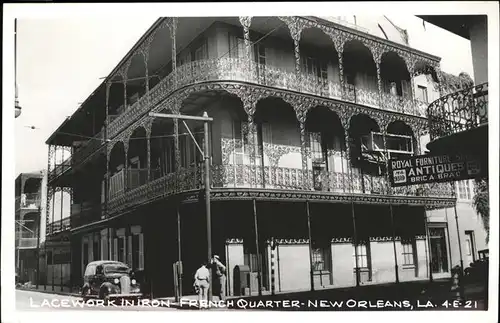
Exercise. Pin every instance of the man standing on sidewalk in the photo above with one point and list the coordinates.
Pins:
(201, 282)
(220, 273)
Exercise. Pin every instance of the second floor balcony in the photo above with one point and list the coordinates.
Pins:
(31, 201)
(457, 112)
(26, 239)
(271, 178)
(61, 225)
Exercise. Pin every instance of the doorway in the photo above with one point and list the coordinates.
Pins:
(439, 255)
(470, 248)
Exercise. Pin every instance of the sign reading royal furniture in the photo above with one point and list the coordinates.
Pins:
(433, 168)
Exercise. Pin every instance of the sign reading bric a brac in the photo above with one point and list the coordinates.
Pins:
(433, 168)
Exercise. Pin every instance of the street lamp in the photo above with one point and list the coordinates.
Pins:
(16, 101)
(206, 157)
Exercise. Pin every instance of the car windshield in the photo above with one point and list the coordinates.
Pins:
(116, 268)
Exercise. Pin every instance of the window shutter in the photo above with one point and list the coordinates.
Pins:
(129, 250)
(103, 191)
(405, 86)
(141, 251)
(115, 249)
(91, 249)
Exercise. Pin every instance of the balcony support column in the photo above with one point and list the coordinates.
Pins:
(60, 221)
(246, 22)
(303, 153)
(177, 152)
(341, 72)
(379, 83)
(125, 165)
(172, 26)
(252, 142)
(106, 176)
(145, 54)
(148, 146)
(345, 120)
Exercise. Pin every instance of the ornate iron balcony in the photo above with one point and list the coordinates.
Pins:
(78, 156)
(238, 69)
(270, 177)
(58, 226)
(459, 111)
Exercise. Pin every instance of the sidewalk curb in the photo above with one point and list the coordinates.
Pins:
(49, 292)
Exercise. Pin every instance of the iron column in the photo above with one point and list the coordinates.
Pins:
(207, 198)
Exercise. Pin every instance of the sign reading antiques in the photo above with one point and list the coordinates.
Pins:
(433, 168)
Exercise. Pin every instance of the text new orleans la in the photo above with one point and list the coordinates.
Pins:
(430, 168)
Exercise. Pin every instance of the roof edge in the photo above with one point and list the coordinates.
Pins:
(110, 75)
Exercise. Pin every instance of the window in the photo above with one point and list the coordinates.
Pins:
(95, 250)
(362, 251)
(464, 190)
(121, 249)
(422, 93)
(85, 254)
(236, 47)
(309, 65)
(408, 252)
(201, 52)
(469, 246)
(241, 142)
(135, 251)
(260, 54)
(406, 89)
(184, 59)
(49, 257)
(321, 259)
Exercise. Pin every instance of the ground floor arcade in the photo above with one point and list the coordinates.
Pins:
(285, 245)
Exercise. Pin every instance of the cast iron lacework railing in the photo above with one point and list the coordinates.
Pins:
(82, 153)
(238, 69)
(29, 201)
(459, 111)
(59, 226)
(270, 177)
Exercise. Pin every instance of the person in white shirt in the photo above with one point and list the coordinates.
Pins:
(201, 282)
(220, 273)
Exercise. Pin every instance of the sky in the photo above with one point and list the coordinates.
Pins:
(61, 60)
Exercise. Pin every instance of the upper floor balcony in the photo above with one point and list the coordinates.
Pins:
(460, 111)
(29, 201)
(458, 124)
(26, 239)
(58, 226)
(270, 178)
(84, 213)
(354, 67)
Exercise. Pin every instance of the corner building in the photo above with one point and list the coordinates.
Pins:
(306, 114)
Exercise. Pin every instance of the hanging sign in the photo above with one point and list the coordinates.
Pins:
(433, 169)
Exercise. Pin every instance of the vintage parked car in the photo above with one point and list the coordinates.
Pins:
(106, 279)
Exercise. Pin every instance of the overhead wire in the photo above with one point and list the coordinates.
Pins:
(218, 59)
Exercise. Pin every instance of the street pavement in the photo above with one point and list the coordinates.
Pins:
(27, 300)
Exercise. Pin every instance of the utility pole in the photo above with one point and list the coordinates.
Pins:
(206, 156)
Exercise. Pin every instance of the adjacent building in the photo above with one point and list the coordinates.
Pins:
(306, 114)
(29, 188)
(458, 123)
